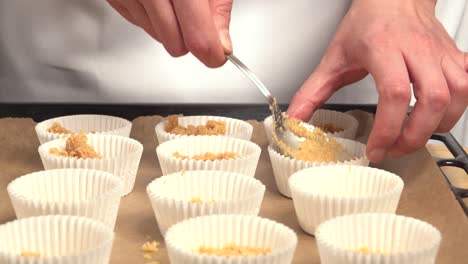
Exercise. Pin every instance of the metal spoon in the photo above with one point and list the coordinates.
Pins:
(282, 133)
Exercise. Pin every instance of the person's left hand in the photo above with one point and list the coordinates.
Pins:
(397, 42)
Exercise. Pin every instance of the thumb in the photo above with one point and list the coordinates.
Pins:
(221, 12)
(328, 77)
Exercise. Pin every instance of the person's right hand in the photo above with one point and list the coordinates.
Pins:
(200, 27)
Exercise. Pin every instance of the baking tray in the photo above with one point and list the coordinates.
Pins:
(426, 195)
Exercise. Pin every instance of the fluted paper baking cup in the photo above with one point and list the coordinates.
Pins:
(98, 124)
(325, 192)
(321, 117)
(377, 238)
(81, 192)
(234, 127)
(246, 161)
(268, 127)
(121, 157)
(284, 167)
(55, 239)
(347, 123)
(183, 195)
(216, 231)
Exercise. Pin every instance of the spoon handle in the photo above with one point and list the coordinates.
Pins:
(278, 117)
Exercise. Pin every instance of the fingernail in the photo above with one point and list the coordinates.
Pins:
(377, 155)
(225, 41)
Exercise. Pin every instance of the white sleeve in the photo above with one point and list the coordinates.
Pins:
(453, 14)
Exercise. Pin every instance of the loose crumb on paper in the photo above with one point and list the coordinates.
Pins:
(150, 247)
(150, 250)
(212, 127)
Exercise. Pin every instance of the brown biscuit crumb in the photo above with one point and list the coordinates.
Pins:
(77, 147)
(200, 201)
(58, 129)
(212, 127)
(150, 247)
(330, 128)
(317, 147)
(30, 254)
(208, 156)
(232, 250)
(367, 251)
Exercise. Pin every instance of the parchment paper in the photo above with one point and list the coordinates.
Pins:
(425, 196)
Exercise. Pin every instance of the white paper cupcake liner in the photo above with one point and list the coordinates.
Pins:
(221, 193)
(348, 123)
(217, 231)
(268, 127)
(320, 117)
(121, 157)
(284, 167)
(246, 162)
(325, 192)
(82, 192)
(392, 239)
(58, 239)
(234, 127)
(98, 124)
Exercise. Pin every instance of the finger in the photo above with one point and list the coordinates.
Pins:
(433, 97)
(140, 16)
(221, 11)
(393, 85)
(164, 21)
(457, 81)
(199, 31)
(466, 61)
(331, 74)
(122, 11)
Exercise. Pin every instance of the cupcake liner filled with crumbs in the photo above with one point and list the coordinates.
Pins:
(174, 127)
(115, 154)
(59, 127)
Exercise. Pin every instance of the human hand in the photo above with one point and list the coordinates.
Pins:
(397, 42)
(200, 27)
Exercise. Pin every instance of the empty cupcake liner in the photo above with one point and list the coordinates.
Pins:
(216, 231)
(121, 157)
(388, 238)
(325, 192)
(81, 192)
(221, 193)
(284, 167)
(234, 127)
(246, 162)
(58, 239)
(98, 124)
(348, 123)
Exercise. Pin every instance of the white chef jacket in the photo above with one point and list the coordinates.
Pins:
(83, 51)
